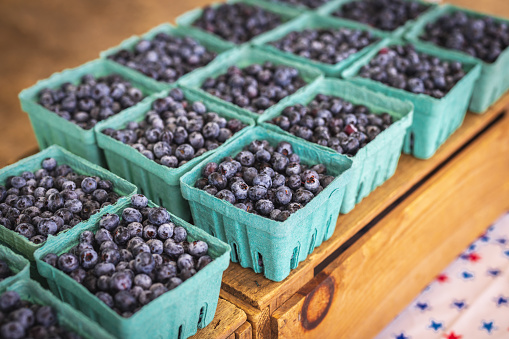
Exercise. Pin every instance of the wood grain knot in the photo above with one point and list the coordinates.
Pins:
(317, 304)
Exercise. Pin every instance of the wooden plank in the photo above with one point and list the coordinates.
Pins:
(367, 285)
(227, 320)
(259, 292)
(244, 331)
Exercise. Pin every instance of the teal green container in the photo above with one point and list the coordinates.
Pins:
(377, 161)
(52, 129)
(18, 265)
(131, 42)
(178, 313)
(313, 21)
(256, 239)
(334, 5)
(243, 57)
(434, 119)
(159, 183)
(67, 317)
(21, 244)
(296, 9)
(187, 19)
(493, 81)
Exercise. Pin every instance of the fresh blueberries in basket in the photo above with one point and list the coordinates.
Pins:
(333, 122)
(405, 68)
(273, 189)
(23, 319)
(5, 271)
(93, 100)
(237, 22)
(329, 46)
(127, 265)
(386, 15)
(164, 58)
(255, 87)
(307, 3)
(481, 37)
(51, 200)
(176, 131)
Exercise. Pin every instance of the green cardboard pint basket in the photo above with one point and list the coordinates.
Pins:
(493, 81)
(255, 239)
(171, 30)
(67, 317)
(377, 161)
(178, 313)
(52, 129)
(187, 20)
(243, 57)
(159, 183)
(21, 244)
(434, 119)
(294, 9)
(334, 5)
(19, 266)
(313, 21)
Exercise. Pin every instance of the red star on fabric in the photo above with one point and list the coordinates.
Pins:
(442, 278)
(474, 257)
(453, 336)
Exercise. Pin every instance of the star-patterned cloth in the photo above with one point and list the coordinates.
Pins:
(469, 300)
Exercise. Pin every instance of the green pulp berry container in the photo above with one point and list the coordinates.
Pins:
(19, 266)
(171, 30)
(377, 161)
(187, 20)
(334, 5)
(295, 9)
(178, 313)
(313, 21)
(159, 183)
(51, 129)
(21, 244)
(493, 81)
(434, 119)
(243, 57)
(256, 239)
(67, 317)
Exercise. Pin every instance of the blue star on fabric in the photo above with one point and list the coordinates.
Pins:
(484, 238)
(488, 326)
(422, 306)
(464, 256)
(467, 275)
(502, 301)
(506, 253)
(471, 247)
(494, 272)
(459, 304)
(435, 325)
(502, 241)
(402, 336)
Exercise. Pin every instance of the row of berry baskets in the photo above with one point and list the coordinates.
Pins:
(261, 170)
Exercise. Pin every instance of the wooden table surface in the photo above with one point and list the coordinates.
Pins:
(39, 38)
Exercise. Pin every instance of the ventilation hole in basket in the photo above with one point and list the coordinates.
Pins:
(412, 142)
(201, 320)
(159, 201)
(325, 236)
(235, 253)
(261, 268)
(295, 258)
(312, 244)
(359, 193)
(181, 332)
(212, 233)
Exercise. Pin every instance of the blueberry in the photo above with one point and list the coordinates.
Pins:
(110, 255)
(226, 195)
(203, 261)
(165, 231)
(9, 300)
(217, 180)
(12, 330)
(173, 248)
(239, 190)
(49, 164)
(45, 316)
(109, 221)
(88, 185)
(185, 261)
(158, 216)
(51, 259)
(143, 280)
(88, 258)
(105, 298)
(131, 215)
(144, 263)
(120, 281)
(174, 283)
(167, 271)
(104, 269)
(198, 248)
(179, 234)
(26, 230)
(124, 301)
(263, 180)
(264, 206)
(257, 192)
(68, 262)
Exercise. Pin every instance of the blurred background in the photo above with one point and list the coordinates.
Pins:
(38, 38)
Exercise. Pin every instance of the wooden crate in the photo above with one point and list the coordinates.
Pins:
(392, 244)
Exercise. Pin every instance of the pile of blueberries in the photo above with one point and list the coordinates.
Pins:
(176, 131)
(483, 38)
(255, 87)
(23, 319)
(386, 15)
(51, 200)
(237, 22)
(404, 68)
(329, 46)
(165, 58)
(265, 180)
(307, 3)
(133, 258)
(5, 270)
(93, 100)
(333, 122)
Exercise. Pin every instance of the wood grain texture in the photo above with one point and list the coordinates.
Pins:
(382, 272)
(227, 320)
(244, 331)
